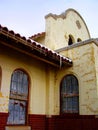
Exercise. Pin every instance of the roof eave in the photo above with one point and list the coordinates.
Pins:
(18, 43)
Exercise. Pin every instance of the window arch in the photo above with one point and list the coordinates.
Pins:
(71, 40)
(79, 40)
(18, 98)
(69, 94)
(0, 77)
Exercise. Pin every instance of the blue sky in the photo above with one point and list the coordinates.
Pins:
(27, 16)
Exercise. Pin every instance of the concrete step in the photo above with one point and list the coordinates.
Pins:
(17, 128)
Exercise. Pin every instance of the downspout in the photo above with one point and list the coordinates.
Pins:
(60, 61)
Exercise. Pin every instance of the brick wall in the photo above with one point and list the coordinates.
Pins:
(64, 122)
(3, 120)
(37, 122)
(73, 122)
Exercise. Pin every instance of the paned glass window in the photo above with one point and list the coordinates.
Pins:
(69, 94)
(18, 98)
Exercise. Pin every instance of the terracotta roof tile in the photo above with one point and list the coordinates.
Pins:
(54, 56)
(38, 35)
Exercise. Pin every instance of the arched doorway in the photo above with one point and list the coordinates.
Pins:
(18, 101)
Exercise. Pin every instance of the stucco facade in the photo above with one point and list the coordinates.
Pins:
(59, 27)
(19, 61)
(84, 68)
(65, 48)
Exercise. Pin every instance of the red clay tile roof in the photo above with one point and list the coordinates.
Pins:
(32, 47)
(38, 35)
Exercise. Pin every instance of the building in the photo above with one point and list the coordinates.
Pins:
(50, 80)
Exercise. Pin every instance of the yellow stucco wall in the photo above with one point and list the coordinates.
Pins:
(44, 86)
(59, 27)
(9, 61)
(41, 40)
(44, 96)
(83, 58)
(96, 62)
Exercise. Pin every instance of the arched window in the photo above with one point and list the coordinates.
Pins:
(70, 40)
(0, 77)
(69, 94)
(79, 40)
(18, 98)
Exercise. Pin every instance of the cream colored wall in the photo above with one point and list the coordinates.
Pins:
(50, 87)
(96, 63)
(44, 96)
(41, 40)
(59, 28)
(84, 69)
(9, 61)
(85, 64)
